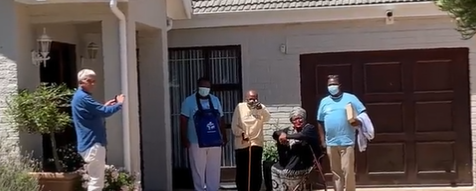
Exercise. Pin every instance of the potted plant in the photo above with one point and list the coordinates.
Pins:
(270, 157)
(41, 111)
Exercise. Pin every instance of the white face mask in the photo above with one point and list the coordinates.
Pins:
(333, 89)
(203, 91)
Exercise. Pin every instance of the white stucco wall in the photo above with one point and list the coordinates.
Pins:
(152, 13)
(144, 16)
(79, 24)
(276, 75)
(79, 34)
(15, 62)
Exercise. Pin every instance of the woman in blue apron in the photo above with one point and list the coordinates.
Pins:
(201, 132)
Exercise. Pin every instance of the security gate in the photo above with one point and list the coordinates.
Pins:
(223, 66)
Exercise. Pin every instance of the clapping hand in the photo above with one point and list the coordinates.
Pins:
(120, 98)
(282, 138)
(110, 102)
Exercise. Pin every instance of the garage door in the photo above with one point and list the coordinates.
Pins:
(419, 103)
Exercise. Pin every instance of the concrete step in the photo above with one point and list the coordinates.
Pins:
(228, 186)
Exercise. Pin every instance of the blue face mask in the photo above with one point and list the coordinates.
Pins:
(333, 89)
(203, 91)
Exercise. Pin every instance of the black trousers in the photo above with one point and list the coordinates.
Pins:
(241, 158)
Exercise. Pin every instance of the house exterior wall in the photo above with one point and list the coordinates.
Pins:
(31, 20)
(80, 24)
(107, 71)
(151, 13)
(271, 72)
(153, 50)
(16, 43)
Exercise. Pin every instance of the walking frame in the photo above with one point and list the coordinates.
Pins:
(316, 166)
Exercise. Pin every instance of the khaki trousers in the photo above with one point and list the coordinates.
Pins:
(342, 167)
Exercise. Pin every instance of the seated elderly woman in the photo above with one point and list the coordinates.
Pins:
(296, 146)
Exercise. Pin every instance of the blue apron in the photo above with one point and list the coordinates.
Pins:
(207, 125)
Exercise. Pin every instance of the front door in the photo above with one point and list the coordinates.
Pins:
(61, 68)
(419, 103)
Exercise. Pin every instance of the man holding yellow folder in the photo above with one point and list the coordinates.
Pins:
(337, 115)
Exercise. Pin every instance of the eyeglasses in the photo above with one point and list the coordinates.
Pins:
(296, 118)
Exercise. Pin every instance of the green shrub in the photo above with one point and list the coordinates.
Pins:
(14, 171)
(270, 152)
(41, 111)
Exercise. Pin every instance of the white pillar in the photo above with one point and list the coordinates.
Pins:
(112, 87)
(155, 115)
(132, 97)
(167, 126)
(155, 110)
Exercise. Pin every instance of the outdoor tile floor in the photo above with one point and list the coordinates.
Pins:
(399, 189)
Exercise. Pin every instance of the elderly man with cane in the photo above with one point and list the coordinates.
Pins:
(247, 126)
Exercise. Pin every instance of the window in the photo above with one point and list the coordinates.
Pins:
(223, 66)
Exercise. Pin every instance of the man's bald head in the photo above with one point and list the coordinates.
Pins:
(252, 98)
(251, 94)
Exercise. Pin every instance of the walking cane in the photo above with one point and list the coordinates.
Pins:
(249, 167)
(249, 158)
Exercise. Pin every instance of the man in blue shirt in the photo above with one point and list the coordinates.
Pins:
(205, 162)
(88, 119)
(339, 132)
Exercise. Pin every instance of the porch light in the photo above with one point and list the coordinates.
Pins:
(92, 50)
(40, 56)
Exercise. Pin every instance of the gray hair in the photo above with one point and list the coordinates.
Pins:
(297, 112)
(84, 74)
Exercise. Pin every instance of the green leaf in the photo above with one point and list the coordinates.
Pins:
(464, 14)
(41, 111)
(270, 152)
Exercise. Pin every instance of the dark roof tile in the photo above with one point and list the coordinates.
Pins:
(220, 6)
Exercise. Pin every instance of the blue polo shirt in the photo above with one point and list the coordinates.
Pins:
(332, 114)
(189, 107)
(88, 119)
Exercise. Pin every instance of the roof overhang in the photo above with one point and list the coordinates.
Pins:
(36, 2)
(176, 9)
(340, 13)
(179, 9)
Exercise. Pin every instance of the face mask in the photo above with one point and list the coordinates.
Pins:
(203, 91)
(333, 89)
